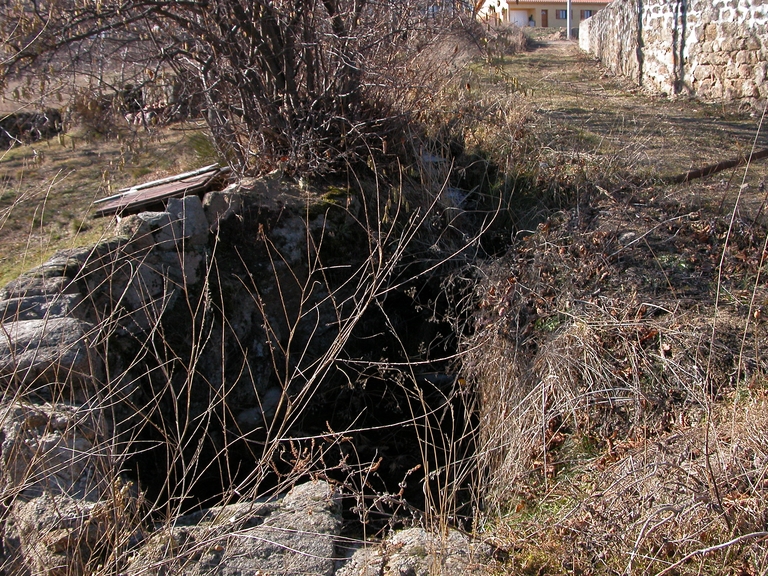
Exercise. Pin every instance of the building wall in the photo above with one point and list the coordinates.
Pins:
(497, 8)
(714, 49)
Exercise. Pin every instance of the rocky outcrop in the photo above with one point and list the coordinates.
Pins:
(68, 504)
(191, 358)
(714, 49)
(98, 345)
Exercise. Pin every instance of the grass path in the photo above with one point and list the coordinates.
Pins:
(583, 107)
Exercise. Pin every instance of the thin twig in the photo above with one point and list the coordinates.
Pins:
(715, 548)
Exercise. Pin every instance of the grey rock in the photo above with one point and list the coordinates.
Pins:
(252, 418)
(295, 536)
(190, 213)
(166, 231)
(417, 552)
(54, 449)
(55, 535)
(191, 264)
(38, 307)
(291, 239)
(221, 206)
(27, 285)
(183, 225)
(138, 229)
(47, 350)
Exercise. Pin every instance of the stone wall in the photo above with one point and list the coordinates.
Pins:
(716, 50)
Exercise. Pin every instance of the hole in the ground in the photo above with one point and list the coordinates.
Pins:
(386, 425)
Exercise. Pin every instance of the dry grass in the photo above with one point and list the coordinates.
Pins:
(618, 356)
(611, 381)
(47, 188)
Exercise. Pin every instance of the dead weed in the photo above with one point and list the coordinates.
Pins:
(617, 352)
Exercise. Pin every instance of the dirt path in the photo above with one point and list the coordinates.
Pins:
(584, 108)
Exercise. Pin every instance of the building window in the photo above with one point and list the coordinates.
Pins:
(561, 14)
(586, 14)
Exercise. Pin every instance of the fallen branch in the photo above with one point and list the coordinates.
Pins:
(719, 167)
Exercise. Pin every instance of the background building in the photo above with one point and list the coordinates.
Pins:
(543, 13)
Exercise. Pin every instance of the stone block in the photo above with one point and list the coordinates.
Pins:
(718, 90)
(752, 42)
(745, 57)
(55, 535)
(702, 72)
(417, 552)
(166, 232)
(749, 90)
(191, 267)
(720, 58)
(733, 43)
(705, 87)
(293, 536)
(745, 71)
(138, 230)
(27, 286)
(761, 73)
(290, 238)
(731, 89)
(221, 206)
(189, 212)
(39, 307)
(732, 72)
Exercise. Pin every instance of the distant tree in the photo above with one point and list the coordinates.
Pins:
(300, 82)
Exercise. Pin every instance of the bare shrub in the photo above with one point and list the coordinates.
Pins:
(306, 86)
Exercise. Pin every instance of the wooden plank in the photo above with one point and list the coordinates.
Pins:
(185, 175)
(174, 187)
(177, 177)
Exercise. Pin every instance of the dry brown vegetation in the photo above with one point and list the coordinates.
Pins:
(612, 338)
(618, 345)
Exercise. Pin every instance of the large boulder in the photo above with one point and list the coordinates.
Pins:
(42, 351)
(292, 536)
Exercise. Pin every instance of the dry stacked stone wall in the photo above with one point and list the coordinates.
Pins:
(716, 50)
